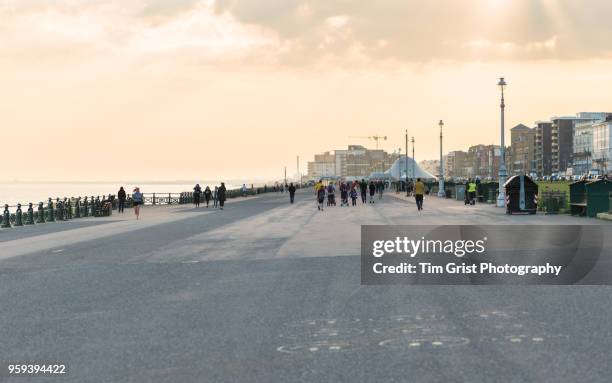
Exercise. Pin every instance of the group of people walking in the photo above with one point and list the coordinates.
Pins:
(137, 200)
(361, 188)
(348, 190)
(217, 196)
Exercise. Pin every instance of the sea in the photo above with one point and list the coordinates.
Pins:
(12, 193)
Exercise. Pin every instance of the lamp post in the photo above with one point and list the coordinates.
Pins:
(406, 165)
(413, 163)
(501, 197)
(441, 176)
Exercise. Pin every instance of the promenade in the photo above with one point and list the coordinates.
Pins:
(265, 291)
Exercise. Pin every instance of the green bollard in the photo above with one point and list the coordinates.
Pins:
(41, 213)
(77, 208)
(50, 211)
(30, 216)
(18, 216)
(6, 218)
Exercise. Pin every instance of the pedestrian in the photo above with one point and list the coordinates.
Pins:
(381, 188)
(343, 194)
(320, 194)
(121, 196)
(291, 192)
(472, 192)
(207, 195)
(354, 196)
(372, 191)
(197, 190)
(331, 195)
(221, 195)
(137, 200)
(363, 185)
(216, 196)
(419, 190)
(244, 190)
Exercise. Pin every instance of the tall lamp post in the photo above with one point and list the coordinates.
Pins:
(441, 177)
(406, 165)
(413, 163)
(501, 197)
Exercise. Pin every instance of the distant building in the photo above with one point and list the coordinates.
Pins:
(563, 129)
(324, 165)
(522, 153)
(583, 148)
(456, 164)
(602, 150)
(354, 162)
(543, 148)
(484, 161)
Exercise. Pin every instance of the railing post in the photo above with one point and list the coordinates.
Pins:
(18, 216)
(41, 213)
(51, 217)
(92, 204)
(30, 216)
(153, 199)
(169, 198)
(6, 218)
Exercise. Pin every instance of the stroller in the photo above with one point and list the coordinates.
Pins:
(344, 195)
(331, 198)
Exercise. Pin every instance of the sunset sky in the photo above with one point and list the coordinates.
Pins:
(186, 89)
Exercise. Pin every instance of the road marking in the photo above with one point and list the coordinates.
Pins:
(313, 349)
(436, 343)
(515, 340)
(57, 250)
(537, 339)
(414, 344)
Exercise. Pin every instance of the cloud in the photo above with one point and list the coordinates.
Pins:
(305, 32)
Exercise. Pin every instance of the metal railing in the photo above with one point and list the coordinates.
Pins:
(65, 209)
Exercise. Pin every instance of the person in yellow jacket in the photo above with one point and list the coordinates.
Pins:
(419, 191)
(472, 191)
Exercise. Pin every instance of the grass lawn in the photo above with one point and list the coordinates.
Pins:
(560, 186)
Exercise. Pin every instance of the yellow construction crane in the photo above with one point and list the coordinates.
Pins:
(375, 138)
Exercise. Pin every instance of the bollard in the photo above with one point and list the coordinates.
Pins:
(6, 218)
(77, 208)
(30, 216)
(50, 211)
(41, 213)
(18, 216)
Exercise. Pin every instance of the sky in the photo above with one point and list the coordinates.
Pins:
(229, 89)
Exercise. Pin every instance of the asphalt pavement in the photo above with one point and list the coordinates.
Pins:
(265, 291)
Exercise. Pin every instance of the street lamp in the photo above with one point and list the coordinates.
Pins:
(413, 163)
(406, 165)
(441, 177)
(501, 197)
